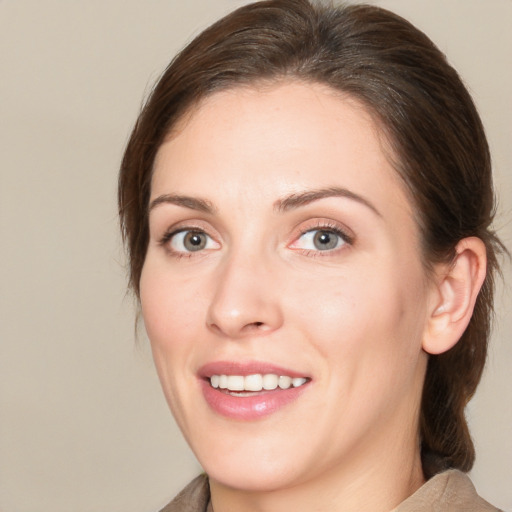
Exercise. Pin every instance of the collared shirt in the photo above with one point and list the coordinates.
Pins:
(450, 491)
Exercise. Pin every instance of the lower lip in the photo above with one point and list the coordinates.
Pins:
(249, 407)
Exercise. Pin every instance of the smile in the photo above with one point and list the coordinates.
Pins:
(249, 391)
(255, 382)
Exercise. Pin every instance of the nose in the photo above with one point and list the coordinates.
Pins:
(245, 301)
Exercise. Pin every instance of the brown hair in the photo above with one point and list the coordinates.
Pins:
(437, 140)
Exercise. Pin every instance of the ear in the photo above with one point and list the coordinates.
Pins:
(454, 295)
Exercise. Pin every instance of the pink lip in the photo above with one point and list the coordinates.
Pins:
(247, 408)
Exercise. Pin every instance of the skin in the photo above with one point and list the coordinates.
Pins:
(353, 319)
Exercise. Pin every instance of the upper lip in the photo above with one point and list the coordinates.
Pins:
(245, 368)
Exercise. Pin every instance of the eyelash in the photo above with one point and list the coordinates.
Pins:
(320, 226)
(171, 233)
(329, 227)
(168, 235)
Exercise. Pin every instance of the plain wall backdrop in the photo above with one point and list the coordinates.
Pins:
(83, 423)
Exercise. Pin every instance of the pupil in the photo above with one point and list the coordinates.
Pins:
(324, 240)
(195, 241)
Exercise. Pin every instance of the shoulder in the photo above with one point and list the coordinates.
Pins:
(193, 498)
(451, 490)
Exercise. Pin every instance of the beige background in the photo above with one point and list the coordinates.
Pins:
(83, 425)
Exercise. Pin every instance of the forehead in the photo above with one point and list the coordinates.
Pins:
(276, 139)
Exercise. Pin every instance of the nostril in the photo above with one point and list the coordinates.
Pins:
(254, 326)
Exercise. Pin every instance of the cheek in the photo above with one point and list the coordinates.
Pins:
(168, 305)
(171, 318)
(172, 321)
(368, 318)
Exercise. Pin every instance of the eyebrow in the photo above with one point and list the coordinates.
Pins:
(192, 203)
(297, 200)
(282, 205)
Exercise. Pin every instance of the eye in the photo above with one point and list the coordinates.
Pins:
(188, 240)
(321, 240)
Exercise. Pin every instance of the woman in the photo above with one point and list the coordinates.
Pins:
(307, 200)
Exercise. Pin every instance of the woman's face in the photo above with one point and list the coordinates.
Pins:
(283, 252)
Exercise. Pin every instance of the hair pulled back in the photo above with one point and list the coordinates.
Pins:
(436, 139)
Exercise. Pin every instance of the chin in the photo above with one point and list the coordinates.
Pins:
(252, 468)
(251, 477)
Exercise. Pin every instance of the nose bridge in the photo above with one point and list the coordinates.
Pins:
(245, 299)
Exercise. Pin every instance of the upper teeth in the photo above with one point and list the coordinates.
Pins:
(256, 382)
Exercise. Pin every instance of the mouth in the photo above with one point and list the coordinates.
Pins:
(250, 391)
(247, 385)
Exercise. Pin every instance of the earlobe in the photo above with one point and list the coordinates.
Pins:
(454, 296)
